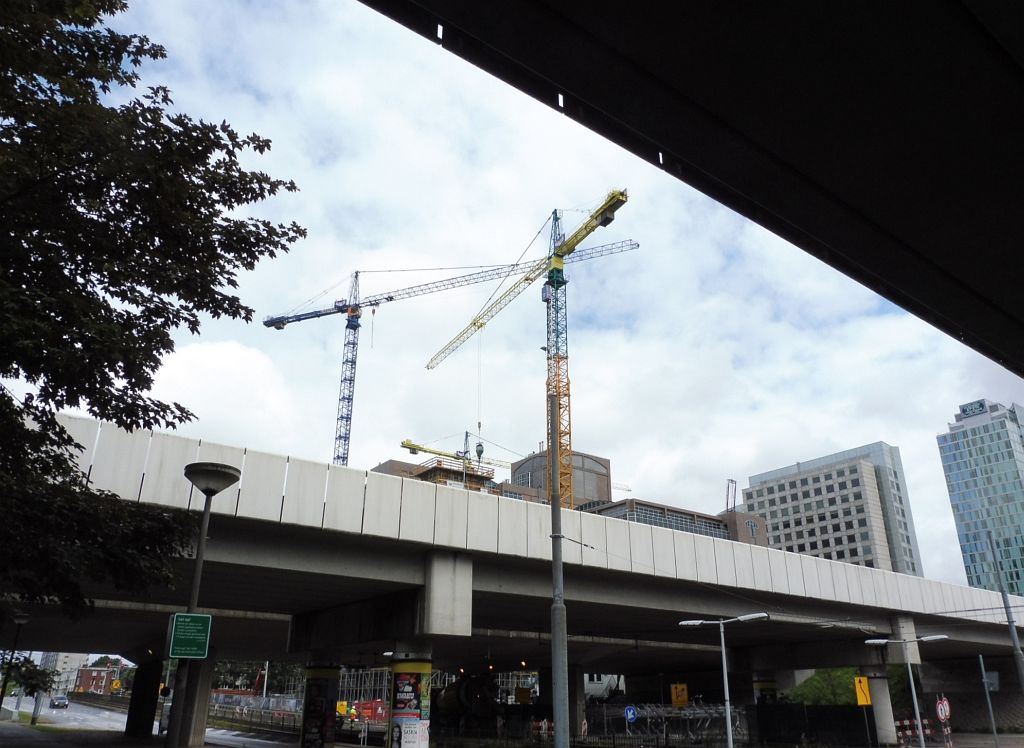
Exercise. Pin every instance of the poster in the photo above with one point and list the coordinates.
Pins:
(410, 705)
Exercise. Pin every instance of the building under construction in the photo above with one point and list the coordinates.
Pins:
(592, 492)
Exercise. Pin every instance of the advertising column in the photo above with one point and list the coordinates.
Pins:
(318, 708)
(410, 705)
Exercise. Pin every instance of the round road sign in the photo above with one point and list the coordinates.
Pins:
(630, 713)
(942, 709)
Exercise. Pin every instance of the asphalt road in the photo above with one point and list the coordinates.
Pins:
(88, 718)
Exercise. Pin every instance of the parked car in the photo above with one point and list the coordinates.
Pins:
(58, 702)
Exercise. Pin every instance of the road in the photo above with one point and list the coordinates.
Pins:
(88, 717)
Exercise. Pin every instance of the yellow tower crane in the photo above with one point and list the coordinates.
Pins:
(557, 340)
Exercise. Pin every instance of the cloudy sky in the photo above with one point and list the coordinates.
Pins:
(715, 351)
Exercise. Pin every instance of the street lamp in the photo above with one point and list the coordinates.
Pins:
(209, 478)
(19, 619)
(910, 672)
(725, 668)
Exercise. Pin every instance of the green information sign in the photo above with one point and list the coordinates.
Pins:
(189, 635)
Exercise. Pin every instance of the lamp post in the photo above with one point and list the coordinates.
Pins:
(209, 478)
(19, 619)
(725, 668)
(910, 672)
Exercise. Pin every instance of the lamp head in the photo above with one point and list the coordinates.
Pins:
(210, 478)
(878, 642)
(933, 638)
(20, 618)
(753, 617)
(692, 623)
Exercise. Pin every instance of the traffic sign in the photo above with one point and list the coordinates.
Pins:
(942, 710)
(115, 684)
(189, 635)
(860, 685)
(630, 713)
(680, 696)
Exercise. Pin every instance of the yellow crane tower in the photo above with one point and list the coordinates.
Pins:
(557, 340)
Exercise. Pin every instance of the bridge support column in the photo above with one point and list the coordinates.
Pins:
(447, 596)
(145, 695)
(577, 699)
(197, 700)
(318, 707)
(881, 705)
(409, 726)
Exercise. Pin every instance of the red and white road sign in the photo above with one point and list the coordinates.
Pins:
(942, 709)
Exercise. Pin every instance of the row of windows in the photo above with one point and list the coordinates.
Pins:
(781, 487)
(761, 506)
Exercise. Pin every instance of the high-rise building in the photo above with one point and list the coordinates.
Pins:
(983, 459)
(849, 506)
(66, 665)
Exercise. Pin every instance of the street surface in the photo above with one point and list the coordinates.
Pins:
(86, 717)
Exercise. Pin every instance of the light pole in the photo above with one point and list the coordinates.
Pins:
(910, 672)
(209, 478)
(725, 668)
(19, 619)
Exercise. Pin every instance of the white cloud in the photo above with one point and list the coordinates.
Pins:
(717, 350)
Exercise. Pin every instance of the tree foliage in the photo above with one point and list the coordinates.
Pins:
(826, 686)
(30, 676)
(119, 224)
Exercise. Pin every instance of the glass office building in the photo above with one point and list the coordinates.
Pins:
(983, 459)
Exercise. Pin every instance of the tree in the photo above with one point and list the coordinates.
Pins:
(827, 686)
(30, 676)
(118, 225)
(106, 661)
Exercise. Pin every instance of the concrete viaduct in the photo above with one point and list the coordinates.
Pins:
(321, 563)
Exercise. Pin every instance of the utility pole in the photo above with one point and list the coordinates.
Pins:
(1018, 656)
(559, 655)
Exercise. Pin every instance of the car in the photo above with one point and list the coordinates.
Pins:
(59, 702)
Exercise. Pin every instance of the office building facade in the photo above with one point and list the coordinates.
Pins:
(849, 506)
(982, 457)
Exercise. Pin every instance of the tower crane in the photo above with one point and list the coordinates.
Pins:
(353, 307)
(560, 252)
(463, 456)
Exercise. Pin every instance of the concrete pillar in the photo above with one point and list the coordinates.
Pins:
(145, 696)
(545, 692)
(577, 699)
(881, 705)
(197, 701)
(447, 597)
(319, 719)
(409, 726)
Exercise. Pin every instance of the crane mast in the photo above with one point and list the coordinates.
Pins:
(347, 388)
(557, 383)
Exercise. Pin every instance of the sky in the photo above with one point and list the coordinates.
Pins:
(714, 351)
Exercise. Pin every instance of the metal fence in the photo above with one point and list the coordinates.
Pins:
(243, 717)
